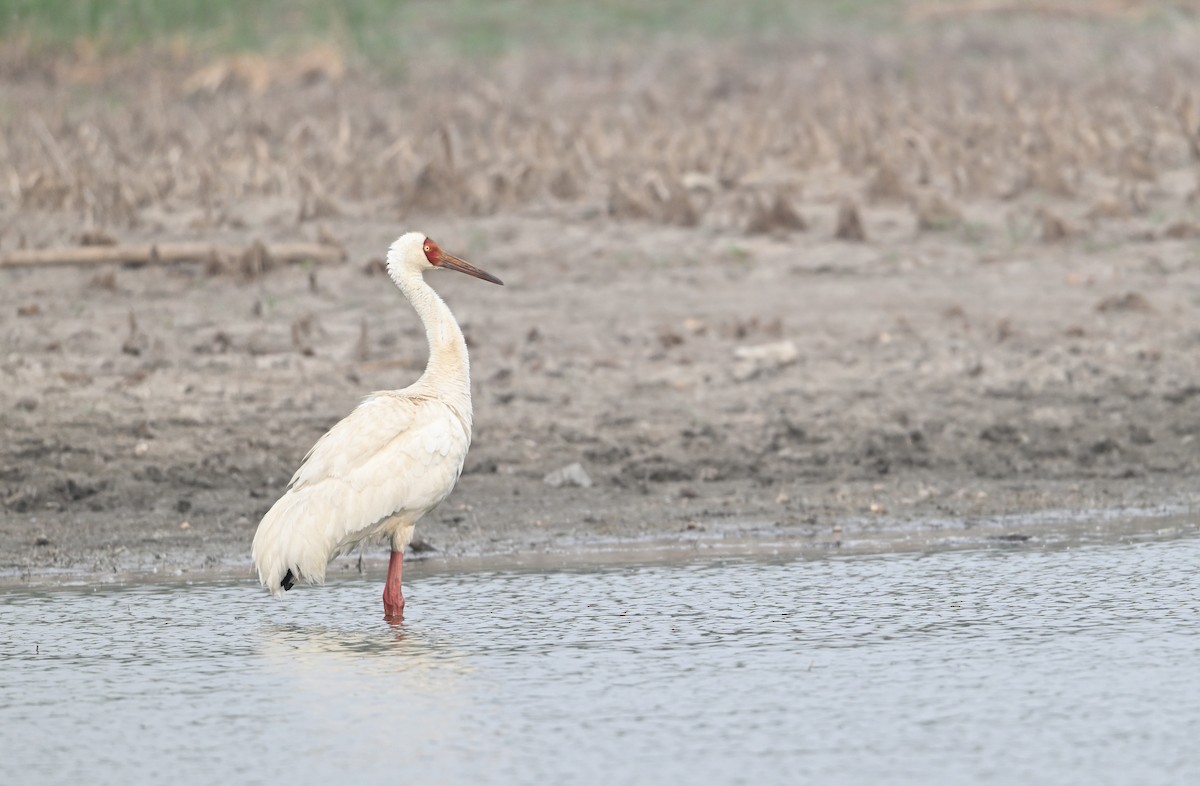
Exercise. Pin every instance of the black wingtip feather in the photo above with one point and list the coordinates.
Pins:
(289, 580)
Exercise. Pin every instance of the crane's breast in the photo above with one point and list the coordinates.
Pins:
(403, 453)
(418, 467)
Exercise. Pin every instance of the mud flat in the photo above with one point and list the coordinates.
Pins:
(934, 300)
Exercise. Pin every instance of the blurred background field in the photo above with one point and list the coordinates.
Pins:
(711, 113)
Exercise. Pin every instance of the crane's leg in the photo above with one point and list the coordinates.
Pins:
(393, 595)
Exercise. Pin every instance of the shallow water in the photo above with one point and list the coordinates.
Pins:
(1019, 665)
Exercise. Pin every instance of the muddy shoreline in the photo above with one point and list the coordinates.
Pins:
(906, 402)
(713, 366)
(1045, 530)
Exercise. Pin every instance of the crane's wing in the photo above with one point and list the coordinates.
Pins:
(393, 455)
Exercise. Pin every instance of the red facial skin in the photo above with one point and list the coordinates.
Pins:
(432, 252)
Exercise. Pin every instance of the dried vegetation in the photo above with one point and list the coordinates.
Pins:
(714, 137)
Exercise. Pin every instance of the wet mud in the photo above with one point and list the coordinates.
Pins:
(756, 365)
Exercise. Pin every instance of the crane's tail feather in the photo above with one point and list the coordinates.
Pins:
(285, 551)
(307, 527)
(296, 539)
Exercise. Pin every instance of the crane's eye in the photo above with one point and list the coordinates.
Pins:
(427, 249)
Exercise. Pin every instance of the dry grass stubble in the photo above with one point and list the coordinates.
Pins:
(690, 137)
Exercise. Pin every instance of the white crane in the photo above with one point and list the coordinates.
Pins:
(390, 461)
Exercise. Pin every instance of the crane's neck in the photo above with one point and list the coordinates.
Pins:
(448, 373)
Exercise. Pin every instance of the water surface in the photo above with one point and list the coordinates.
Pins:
(1021, 666)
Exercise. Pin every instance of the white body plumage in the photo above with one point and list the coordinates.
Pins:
(371, 477)
(392, 460)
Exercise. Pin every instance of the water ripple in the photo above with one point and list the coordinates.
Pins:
(1058, 666)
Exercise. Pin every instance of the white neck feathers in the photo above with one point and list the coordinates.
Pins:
(448, 373)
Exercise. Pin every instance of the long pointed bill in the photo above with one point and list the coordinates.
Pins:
(454, 263)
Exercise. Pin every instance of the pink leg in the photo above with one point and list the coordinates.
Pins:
(393, 596)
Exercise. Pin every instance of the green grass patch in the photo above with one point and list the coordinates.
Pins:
(392, 32)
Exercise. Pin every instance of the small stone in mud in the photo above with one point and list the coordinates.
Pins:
(755, 360)
(777, 353)
(141, 449)
(1130, 301)
(570, 475)
(669, 338)
(1140, 435)
(41, 540)
(27, 403)
(185, 525)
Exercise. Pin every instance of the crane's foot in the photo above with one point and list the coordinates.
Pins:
(393, 611)
(393, 595)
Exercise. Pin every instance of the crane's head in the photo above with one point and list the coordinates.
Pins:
(416, 252)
